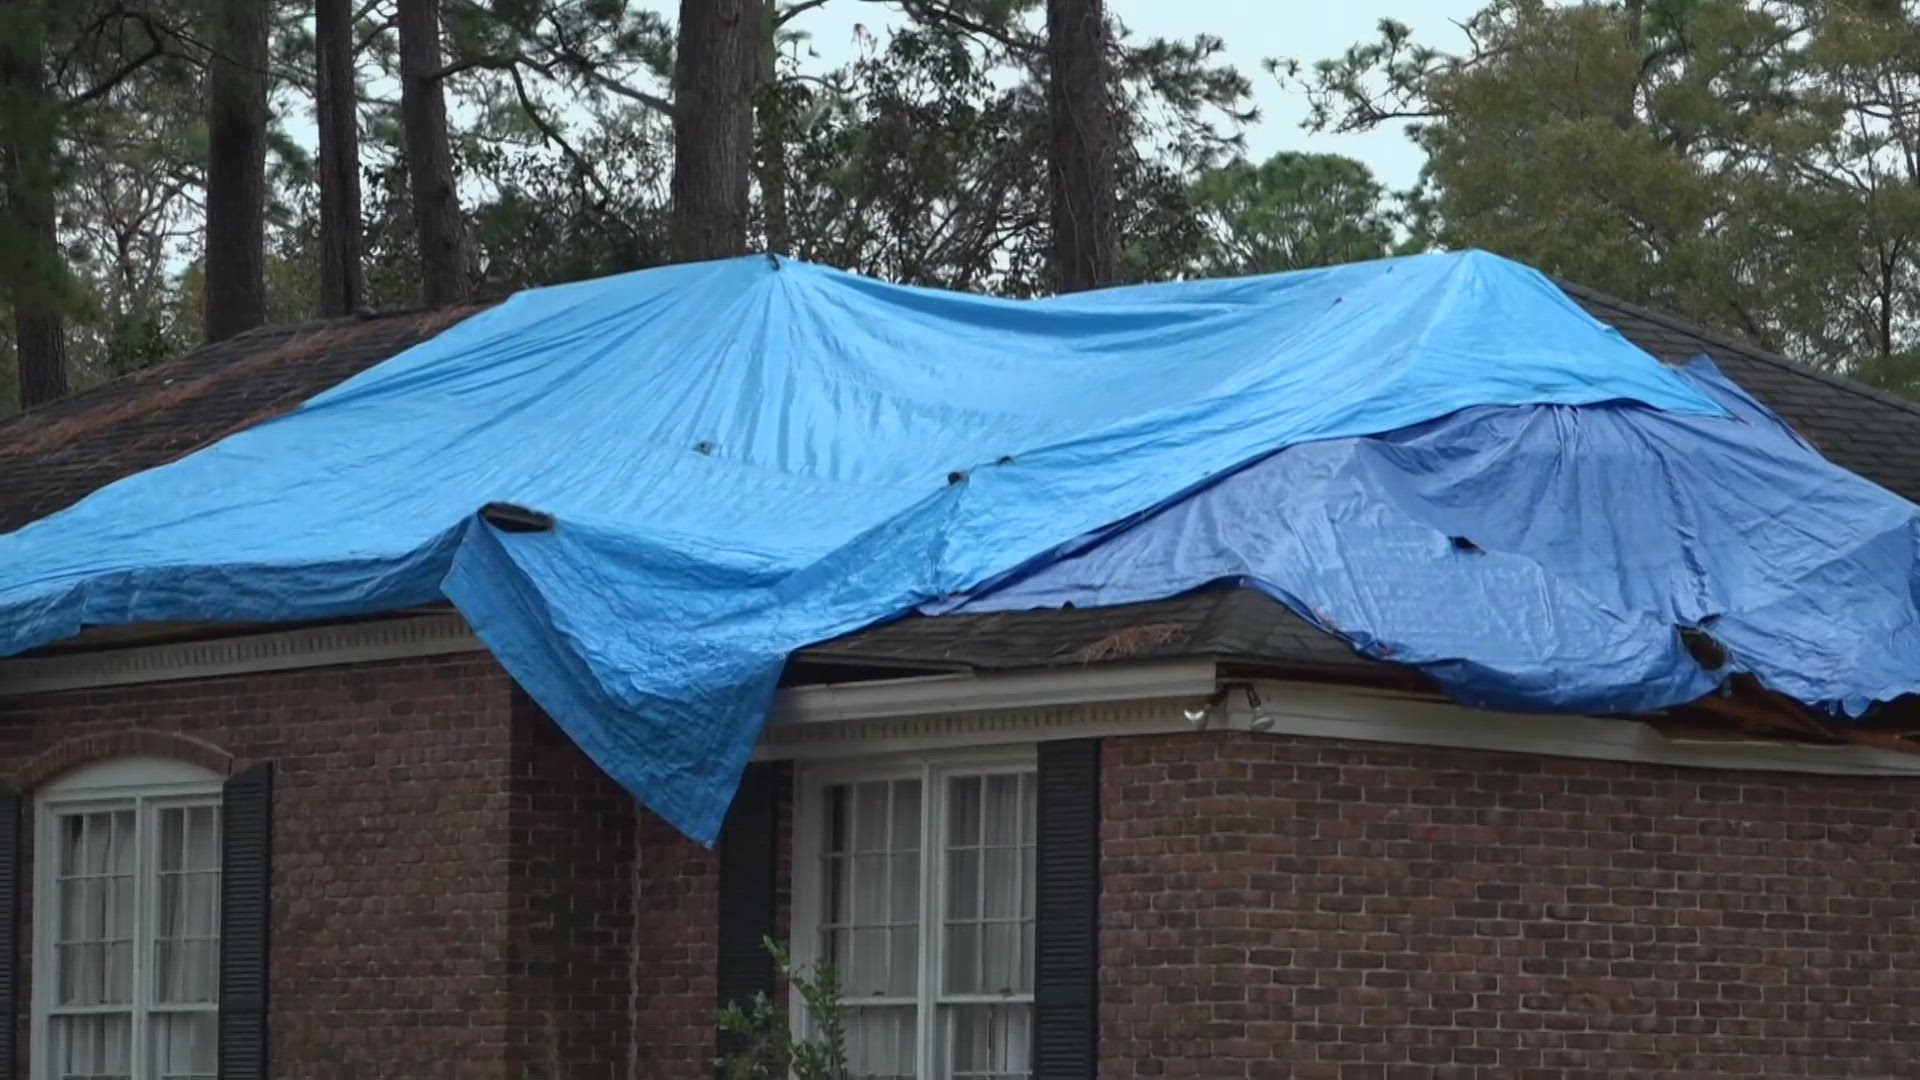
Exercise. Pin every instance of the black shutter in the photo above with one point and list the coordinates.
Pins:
(749, 871)
(1067, 912)
(10, 989)
(246, 883)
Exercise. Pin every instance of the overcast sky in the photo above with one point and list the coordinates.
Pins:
(1253, 30)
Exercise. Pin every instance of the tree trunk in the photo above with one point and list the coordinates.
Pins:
(236, 286)
(714, 72)
(770, 134)
(341, 283)
(436, 202)
(1086, 230)
(35, 274)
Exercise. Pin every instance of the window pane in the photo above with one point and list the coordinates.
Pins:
(186, 930)
(91, 1047)
(963, 958)
(94, 897)
(963, 884)
(906, 816)
(838, 820)
(172, 842)
(989, 867)
(986, 1042)
(1004, 967)
(203, 838)
(904, 977)
(881, 1042)
(872, 889)
(183, 1046)
(963, 811)
(868, 977)
(1002, 888)
(1003, 809)
(872, 814)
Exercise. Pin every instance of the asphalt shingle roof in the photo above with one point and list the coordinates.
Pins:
(1871, 432)
(55, 455)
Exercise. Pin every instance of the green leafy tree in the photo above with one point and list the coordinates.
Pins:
(922, 159)
(1292, 211)
(1751, 164)
(925, 159)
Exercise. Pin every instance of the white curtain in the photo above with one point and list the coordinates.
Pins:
(187, 926)
(871, 931)
(94, 869)
(103, 916)
(989, 925)
(872, 861)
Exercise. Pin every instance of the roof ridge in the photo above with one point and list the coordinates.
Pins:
(1744, 348)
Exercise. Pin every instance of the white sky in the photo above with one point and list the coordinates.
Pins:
(1252, 30)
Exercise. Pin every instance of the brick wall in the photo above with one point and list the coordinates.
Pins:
(1278, 907)
(390, 867)
(455, 895)
(571, 866)
(454, 880)
(674, 964)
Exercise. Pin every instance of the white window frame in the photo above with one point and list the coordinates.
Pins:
(145, 784)
(809, 828)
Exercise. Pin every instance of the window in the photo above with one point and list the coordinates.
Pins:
(126, 923)
(917, 885)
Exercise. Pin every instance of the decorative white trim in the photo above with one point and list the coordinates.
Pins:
(1316, 711)
(284, 650)
(980, 693)
(1331, 712)
(910, 716)
(917, 715)
(134, 772)
(921, 734)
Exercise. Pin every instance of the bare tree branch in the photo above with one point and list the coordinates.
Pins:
(106, 86)
(932, 12)
(553, 135)
(586, 69)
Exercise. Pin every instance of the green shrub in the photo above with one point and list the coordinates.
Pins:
(765, 1045)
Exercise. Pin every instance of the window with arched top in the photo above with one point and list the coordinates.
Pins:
(126, 922)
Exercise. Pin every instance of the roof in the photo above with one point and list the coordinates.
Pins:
(55, 455)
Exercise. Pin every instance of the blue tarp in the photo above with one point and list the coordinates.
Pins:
(1543, 558)
(746, 457)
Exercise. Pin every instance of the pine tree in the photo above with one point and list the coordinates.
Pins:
(714, 75)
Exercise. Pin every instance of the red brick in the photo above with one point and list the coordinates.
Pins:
(1522, 917)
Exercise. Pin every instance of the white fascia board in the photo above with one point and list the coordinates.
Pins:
(1332, 712)
(970, 693)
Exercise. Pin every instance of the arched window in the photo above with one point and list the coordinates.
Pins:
(126, 922)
